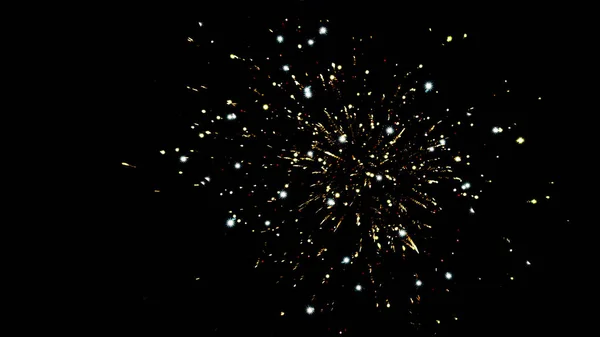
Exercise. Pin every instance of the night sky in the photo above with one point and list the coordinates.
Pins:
(197, 275)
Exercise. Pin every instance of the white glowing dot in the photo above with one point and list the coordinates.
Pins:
(449, 39)
(402, 233)
(431, 149)
(299, 46)
(267, 223)
(231, 117)
(472, 211)
(200, 24)
(311, 42)
(495, 129)
(307, 92)
(528, 263)
(418, 283)
(279, 38)
(183, 159)
(322, 30)
(448, 275)
(283, 194)
(457, 159)
(342, 139)
(346, 260)
(163, 151)
(520, 140)
(443, 142)
(237, 165)
(358, 287)
(466, 186)
(310, 310)
(379, 177)
(230, 223)
(367, 72)
(310, 153)
(286, 68)
(330, 202)
(389, 130)
(428, 86)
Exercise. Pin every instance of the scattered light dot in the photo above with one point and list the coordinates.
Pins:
(311, 42)
(279, 38)
(457, 159)
(267, 223)
(419, 283)
(346, 260)
(358, 287)
(286, 68)
(310, 310)
(183, 159)
(265, 107)
(200, 24)
(443, 142)
(528, 263)
(230, 223)
(472, 211)
(533, 201)
(310, 154)
(330, 202)
(379, 177)
(283, 194)
(307, 92)
(282, 313)
(431, 149)
(428, 86)
(520, 140)
(402, 233)
(389, 130)
(299, 46)
(367, 72)
(237, 165)
(162, 151)
(466, 186)
(322, 30)
(449, 38)
(448, 276)
(342, 139)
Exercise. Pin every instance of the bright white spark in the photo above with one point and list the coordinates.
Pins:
(307, 92)
(358, 287)
(448, 276)
(237, 165)
(346, 260)
(286, 68)
(520, 140)
(267, 223)
(310, 154)
(443, 142)
(231, 117)
(311, 42)
(322, 30)
(379, 177)
(428, 86)
(402, 233)
(419, 283)
(183, 159)
(496, 129)
(466, 186)
(471, 210)
(310, 310)
(279, 38)
(330, 202)
(342, 139)
(230, 223)
(389, 130)
(200, 24)
(283, 194)
(431, 149)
